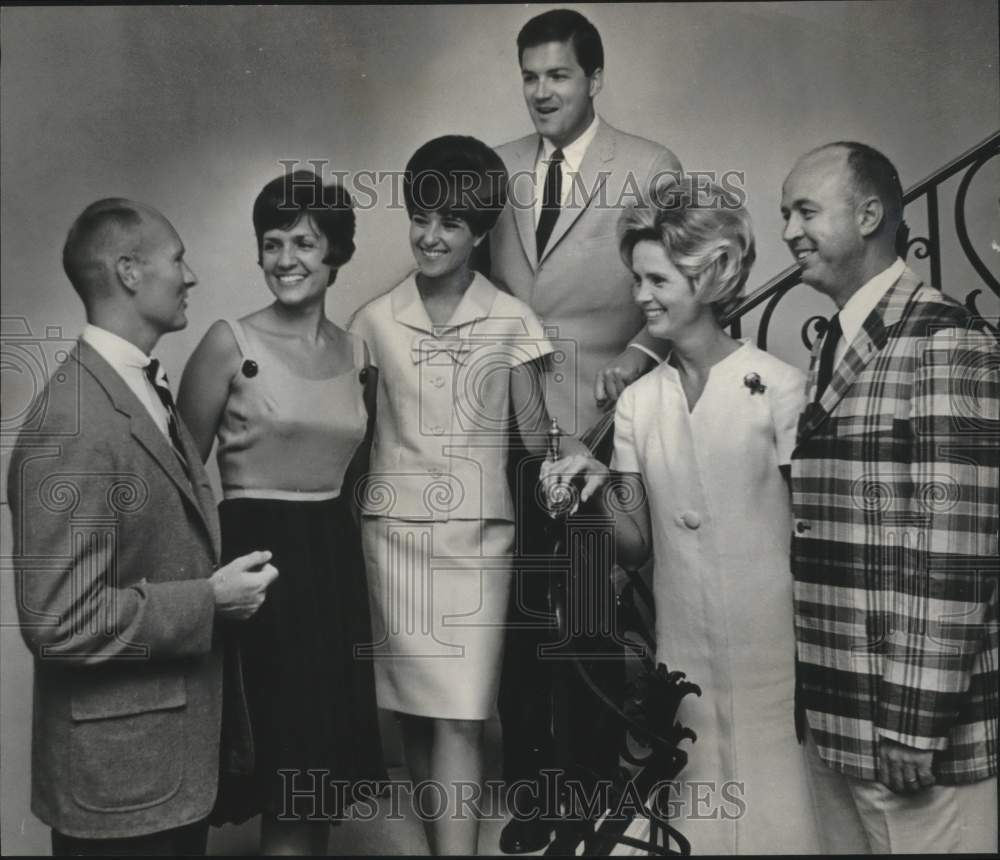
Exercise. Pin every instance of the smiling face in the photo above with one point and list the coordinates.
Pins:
(822, 226)
(441, 243)
(293, 265)
(164, 278)
(663, 292)
(559, 94)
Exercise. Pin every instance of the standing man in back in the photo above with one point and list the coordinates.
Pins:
(555, 247)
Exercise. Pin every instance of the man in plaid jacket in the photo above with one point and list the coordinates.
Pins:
(894, 553)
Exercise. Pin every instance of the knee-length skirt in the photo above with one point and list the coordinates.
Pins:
(439, 595)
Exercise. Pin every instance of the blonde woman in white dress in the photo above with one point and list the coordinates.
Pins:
(708, 435)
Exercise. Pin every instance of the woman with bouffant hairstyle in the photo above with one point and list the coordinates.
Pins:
(459, 361)
(703, 444)
(283, 390)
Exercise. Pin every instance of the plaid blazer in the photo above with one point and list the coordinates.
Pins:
(894, 552)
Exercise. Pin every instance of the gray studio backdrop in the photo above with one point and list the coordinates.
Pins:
(192, 109)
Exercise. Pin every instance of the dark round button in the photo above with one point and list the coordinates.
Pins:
(802, 527)
(363, 375)
(250, 368)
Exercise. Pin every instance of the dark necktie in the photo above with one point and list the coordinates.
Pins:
(551, 202)
(162, 388)
(830, 339)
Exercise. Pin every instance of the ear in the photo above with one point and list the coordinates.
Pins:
(127, 271)
(869, 215)
(596, 82)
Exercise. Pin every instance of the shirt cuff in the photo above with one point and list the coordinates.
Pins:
(924, 744)
(648, 352)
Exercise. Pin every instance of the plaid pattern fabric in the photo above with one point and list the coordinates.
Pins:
(895, 496)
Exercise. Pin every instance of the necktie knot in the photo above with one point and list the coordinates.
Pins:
(152, 369)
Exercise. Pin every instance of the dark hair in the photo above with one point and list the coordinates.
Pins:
(873, 173)
(300, 194)
(457, 175)
(82, 254)
(564, 25)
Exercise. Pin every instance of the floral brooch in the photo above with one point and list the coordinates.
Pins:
(752, 381)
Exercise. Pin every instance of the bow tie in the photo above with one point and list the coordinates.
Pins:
(427, 349)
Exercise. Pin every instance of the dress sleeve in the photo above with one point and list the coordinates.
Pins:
(625, 457)
(532, 342)
(788, 394)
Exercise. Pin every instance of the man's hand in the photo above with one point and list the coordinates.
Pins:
(624, 370)
(240, 586)
(903, 769)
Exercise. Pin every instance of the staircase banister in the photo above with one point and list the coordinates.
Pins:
(952, 167)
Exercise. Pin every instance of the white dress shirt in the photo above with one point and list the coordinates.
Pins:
(573, 154)
(863, 302)
(130, 363)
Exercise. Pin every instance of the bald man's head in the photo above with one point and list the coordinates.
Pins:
(104, 232)
(871, 174)
(127, 263)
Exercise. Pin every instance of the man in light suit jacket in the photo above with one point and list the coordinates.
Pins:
(577, 282)
(894, 553)
(555, 247)
(116, 552)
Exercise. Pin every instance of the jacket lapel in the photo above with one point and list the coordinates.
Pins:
(590, 178)
(407, 307)
(148, 435)
(522, 196)
(871, 338)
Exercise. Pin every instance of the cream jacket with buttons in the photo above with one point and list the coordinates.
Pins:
(444, 407)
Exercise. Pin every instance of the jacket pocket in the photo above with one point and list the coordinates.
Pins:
(127, 744)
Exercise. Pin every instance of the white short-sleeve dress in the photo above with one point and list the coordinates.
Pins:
(722, 586)
(438, 525)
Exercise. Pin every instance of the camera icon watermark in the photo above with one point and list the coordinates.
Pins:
(32, 366)
(464, 382)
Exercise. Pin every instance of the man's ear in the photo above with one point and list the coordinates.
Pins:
(870, 214)
(596, 82)
(127, 270)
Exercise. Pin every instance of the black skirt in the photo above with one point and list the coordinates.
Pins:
(311, 701)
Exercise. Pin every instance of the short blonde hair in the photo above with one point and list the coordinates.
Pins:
(705, 231)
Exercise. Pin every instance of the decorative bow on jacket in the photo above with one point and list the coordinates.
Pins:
(427, 349)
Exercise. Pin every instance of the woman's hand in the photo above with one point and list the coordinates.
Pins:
(557, 478)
